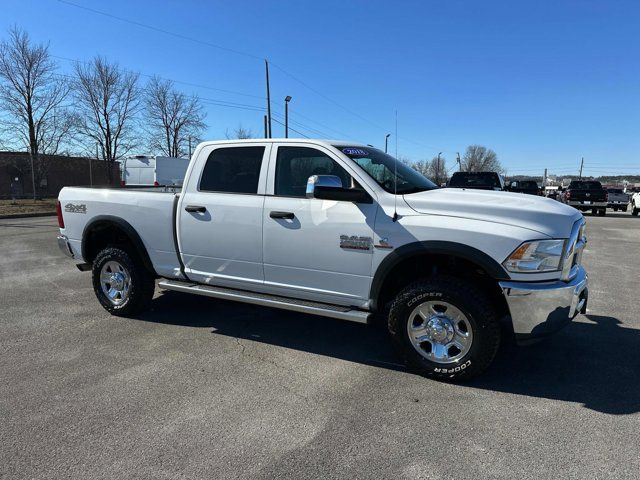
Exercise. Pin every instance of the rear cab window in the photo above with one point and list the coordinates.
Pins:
(232, 170)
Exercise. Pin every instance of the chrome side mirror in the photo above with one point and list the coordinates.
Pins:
(329, 187)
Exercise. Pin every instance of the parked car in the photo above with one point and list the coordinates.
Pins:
(143, 170)
(586, 195)
(317, 227)
(477, 181)
(634, 203)
(617, 199)
(529, 187)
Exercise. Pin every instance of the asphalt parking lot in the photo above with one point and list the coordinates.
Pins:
(200, 388)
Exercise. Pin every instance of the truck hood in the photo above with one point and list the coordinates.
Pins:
(539, 214)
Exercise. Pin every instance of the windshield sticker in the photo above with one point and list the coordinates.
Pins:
(354, 151)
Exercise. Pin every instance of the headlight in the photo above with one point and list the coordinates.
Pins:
(536, 256)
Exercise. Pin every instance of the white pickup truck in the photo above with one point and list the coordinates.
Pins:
(340, 230)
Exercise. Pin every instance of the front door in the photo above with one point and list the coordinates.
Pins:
(220, 216)
(323, 252)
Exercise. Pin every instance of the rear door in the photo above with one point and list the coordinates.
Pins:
(220, 215)
(323, 251)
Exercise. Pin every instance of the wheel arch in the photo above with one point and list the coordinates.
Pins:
(105, 230)
(436, 254)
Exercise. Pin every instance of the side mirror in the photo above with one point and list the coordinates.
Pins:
(329, 187)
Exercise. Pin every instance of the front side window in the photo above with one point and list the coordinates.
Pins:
(389, 173)
(294, 166)
(232, 170)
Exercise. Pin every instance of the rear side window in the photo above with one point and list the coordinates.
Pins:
(294, 166)
(232, 170)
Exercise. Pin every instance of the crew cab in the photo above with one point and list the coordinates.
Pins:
(587, 195)
(477, 181)
(529, 187)
(341, 230)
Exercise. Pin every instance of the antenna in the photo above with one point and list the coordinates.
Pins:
(395, 176)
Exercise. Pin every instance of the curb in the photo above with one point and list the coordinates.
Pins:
(28, 215)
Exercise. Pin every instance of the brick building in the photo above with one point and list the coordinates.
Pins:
(60, 170)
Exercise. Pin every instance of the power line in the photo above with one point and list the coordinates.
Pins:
(242, 53)
(161, 30)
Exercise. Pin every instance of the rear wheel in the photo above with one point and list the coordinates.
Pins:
(122, 284)
(602, 212)
(634, 210)
(445, 328)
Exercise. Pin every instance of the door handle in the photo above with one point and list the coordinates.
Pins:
(195, 208)
(286, 215)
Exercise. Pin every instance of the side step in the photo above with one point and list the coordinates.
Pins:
(303, 306)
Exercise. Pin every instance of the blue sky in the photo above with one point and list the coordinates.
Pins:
(541, 83)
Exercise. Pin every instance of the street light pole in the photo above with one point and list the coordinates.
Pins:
(386, 142)
(287, 99)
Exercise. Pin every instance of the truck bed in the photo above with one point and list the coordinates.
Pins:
(149, 210)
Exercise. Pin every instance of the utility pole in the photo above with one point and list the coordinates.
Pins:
(287, 99)
(386, 142)
(581, 165)
(266, 65)
(266, 128)
(438, 169)
(459, 162)
(189, 147)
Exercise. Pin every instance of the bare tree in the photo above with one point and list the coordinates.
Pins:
(434, 169)
(437, 170)
(109, 99)
(240, 133)
(174, 118)
(480, 159)
(33, 98)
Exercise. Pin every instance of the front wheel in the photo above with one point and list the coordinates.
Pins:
(634, 210)
(602, 212)
(445, 328)
(122, 284)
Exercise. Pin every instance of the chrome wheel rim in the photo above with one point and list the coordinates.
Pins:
(439, 331)
(115, 282)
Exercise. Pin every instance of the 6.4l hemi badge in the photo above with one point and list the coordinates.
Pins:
(71, 208)
(354, 242)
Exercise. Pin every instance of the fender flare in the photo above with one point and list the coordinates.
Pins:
(400, 254)
(106, 220)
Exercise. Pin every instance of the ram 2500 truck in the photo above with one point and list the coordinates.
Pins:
(341, 230)
(587, 195)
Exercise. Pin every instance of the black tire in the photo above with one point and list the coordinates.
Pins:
(624, 209)
(615, 209)
(634, 210)
(142, 282)
(602, 212)
(594, 211)
(472, 302)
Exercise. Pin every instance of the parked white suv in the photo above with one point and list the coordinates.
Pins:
(316, 226)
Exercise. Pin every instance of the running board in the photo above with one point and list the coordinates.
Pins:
(284, 303)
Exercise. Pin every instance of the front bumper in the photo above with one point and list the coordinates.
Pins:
(65, 246)
(539, 309)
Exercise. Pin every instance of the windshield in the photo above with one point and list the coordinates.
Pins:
(381, 168)
(528, 184)
(464, 179)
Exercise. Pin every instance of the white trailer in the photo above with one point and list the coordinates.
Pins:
(143, 170)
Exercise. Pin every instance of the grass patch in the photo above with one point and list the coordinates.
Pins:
(20, 207)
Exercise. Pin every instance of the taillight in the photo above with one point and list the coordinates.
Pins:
(122, 184)
(568, 195)
(606, 197)
(156, 184)
(59, 214)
